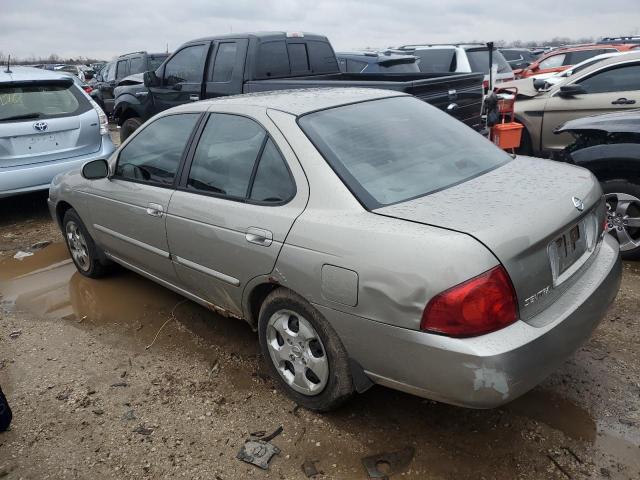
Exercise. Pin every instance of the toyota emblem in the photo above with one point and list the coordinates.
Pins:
(579, 204)
(41, 126)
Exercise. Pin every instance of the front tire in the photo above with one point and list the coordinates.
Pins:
(83, 250)
(129, 126)
(304, 354)
(623, 215)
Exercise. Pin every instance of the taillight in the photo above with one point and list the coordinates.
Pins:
(102, 118)
(485, 86)
(88, 89)
(480, 305)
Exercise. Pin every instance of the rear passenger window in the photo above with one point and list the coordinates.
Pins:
(153, 155)
(272, 182)
(321, 57)
(225, 61)
(581, 56)
(136, 65)
(273, 60)
(298, 57)
(225, 156)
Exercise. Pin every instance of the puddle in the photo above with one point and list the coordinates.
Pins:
(556, 412)
(124, 305)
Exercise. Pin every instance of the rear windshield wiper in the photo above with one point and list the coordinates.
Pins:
(24, 116)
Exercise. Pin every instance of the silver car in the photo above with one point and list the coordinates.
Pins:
(48, 125)
(366, 236)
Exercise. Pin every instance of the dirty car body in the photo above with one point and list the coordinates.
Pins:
(377, 227)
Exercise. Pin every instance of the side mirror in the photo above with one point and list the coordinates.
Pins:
(95, 169)
(569, 91)
(150, 79)
(539, 83)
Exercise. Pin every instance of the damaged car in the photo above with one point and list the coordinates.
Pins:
(368, 238)
(609, 146)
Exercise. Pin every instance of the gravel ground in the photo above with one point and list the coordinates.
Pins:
(121, 378)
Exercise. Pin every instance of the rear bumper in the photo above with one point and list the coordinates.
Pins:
(30, 178)
(493, 369)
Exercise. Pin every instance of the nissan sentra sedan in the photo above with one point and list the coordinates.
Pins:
(368, 237)
(48, 125)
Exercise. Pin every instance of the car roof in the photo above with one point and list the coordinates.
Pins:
(424, 46)
(143, 52)
(579, 48)
(262, 36)
(297, 102)
(373, 57)
(19, 74)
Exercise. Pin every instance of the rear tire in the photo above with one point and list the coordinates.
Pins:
(321, 364)
(86, 256)
(620, 205)
(129, 126)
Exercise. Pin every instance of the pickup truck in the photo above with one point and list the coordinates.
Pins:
(256, 62)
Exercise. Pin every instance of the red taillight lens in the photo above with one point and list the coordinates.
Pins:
(480, 305)
(88, 89)
(485, 86)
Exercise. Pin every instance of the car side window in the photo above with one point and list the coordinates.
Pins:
(136, 65)
(552, 62)
(154, 154)
(355, 66)
(186, 66)
(619, 79)
(582, 55)
(122, 69)
(224, 62)
(273, 182)
(109, 76)
(225, 156)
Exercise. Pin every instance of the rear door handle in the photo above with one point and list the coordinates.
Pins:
(194, 98)
(155, 210)
(259, 236)
(623, 101)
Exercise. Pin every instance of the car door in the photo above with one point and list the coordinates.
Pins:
(240, 193)
(128, 209)
(225, 73)
(610, 89)
(182, 77)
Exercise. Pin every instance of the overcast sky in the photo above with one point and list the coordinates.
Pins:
(106, 28)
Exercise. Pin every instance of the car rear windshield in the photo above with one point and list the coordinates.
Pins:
(29, 101)
(436, 60)
(396, 149)
(479, 60)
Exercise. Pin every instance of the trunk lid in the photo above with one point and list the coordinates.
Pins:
(517, 211)
(53, 121)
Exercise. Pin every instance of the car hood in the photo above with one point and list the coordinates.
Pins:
(134, 79)
(619, 122)
(516, 211)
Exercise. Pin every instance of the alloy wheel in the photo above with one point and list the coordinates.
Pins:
(77, 246)
(623, 219)
(297, 352)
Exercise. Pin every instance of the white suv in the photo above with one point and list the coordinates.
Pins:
(461, 58)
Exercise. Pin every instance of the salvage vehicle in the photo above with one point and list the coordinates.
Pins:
(609, 146)
(607, 86)
(560, 76)
(367, 236)
(376, 62)
(256, 62)
(48, 125)
(471, 57)
(563, 58)
(127, 68)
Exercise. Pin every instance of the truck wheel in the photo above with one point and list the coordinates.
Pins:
(83, 250)
(623, 215)
(304, 354)
(129, 126)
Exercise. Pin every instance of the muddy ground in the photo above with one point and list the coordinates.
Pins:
(100, 390)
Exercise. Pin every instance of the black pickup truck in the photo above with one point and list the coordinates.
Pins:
(255, 62)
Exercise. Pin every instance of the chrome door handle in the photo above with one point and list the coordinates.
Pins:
(259, 236)
(155, 210)
(194, 98)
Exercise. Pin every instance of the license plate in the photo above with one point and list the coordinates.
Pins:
(566, 249)
(35, 143)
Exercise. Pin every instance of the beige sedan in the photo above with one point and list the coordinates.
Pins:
(607, 86)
